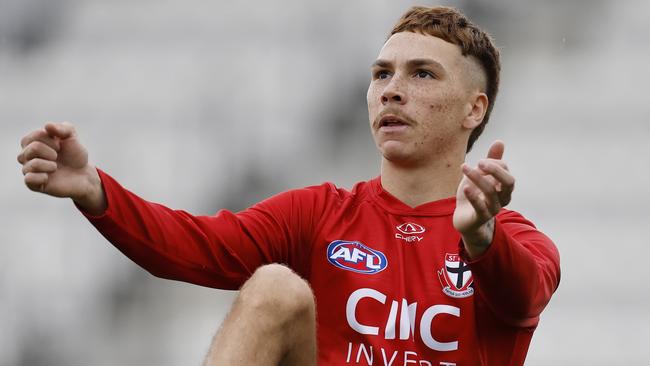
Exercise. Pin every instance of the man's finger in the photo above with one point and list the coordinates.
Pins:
(36, 181)
(61, 130)
(498, 162)
(39, 166)
(487, 186)
(477, 200)
(37, 149)
(496, 150)
(497, 171)
(503, 176)
(42, 136)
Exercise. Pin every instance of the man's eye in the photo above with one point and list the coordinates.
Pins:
(382, 74)
(424, 74)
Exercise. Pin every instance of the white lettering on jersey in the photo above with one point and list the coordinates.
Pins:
(356, 256)
(409, 239)
(407, 360)
(351, 307)
(389, 331)
(392, 358)
(344, 253)
(369, 355)
(397, 357)
(425, 331)
(347, 360)
(406, 319)
(369, 261)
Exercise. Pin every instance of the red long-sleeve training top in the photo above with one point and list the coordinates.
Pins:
(392, 283)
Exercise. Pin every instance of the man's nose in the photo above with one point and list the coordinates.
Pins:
(393, 93)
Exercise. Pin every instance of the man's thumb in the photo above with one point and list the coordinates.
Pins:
(61, 130)
(496, 150)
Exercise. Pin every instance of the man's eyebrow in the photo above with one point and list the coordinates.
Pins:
(424, 62)
(416, 62)
(381, 63)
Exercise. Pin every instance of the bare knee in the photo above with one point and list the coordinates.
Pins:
(274, 314)
(277, 290)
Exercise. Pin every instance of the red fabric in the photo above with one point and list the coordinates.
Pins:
(398, 315)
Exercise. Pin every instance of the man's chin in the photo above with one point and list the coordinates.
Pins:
(397, 155)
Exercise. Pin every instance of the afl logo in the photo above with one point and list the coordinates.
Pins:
(410, 228)
(356, 257)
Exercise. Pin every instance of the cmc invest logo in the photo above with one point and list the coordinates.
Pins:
(356, 257)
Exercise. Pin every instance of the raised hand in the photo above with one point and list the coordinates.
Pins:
(482, 192)
(55, 163)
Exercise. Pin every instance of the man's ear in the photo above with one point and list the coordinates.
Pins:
(476, 110)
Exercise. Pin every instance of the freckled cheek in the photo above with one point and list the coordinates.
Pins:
(439, 107)
(442, 105)
(422, 139)
(373, 103)
(373, 91)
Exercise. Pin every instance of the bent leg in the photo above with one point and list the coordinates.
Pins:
(272, 322)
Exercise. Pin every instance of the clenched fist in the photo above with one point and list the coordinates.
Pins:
(55, 163)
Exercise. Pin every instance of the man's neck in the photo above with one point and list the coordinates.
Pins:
(418, 184)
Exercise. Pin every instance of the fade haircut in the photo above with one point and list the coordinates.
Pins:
(453, 26)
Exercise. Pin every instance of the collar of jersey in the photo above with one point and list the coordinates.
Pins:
(393, 205)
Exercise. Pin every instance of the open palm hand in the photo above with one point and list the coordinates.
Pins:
(481, 194)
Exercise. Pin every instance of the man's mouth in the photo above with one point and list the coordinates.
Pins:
(392, 121)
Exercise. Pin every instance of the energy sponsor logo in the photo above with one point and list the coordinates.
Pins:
(409, 231)
(356, 257)
(456, 277)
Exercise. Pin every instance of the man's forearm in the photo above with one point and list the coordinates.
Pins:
(479, 240)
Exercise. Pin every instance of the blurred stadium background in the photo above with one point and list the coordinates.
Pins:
(205, 105)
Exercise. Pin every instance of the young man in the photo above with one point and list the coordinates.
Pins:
(420, 266)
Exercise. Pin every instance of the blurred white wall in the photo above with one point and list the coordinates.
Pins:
(203, 105)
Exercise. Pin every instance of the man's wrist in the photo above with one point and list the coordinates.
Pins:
(477, 241)
(93, 201)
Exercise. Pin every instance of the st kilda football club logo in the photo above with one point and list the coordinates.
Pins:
(456, 278)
